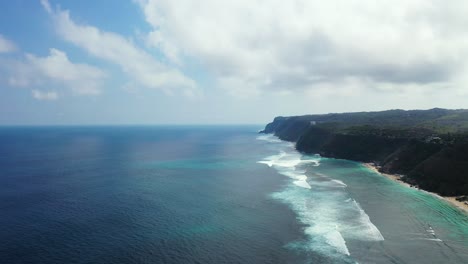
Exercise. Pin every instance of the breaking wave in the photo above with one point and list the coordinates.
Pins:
(330, 215)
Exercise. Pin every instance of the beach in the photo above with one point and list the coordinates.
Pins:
(450, 199)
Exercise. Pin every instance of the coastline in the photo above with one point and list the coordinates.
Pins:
(397, 178)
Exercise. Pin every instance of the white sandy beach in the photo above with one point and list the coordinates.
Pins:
(451, 199)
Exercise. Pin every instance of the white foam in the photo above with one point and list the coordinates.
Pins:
(269, 138)
(335, 239)
(431, 231)
(323, 229)
(329, 220)
(365, 229)
(428, 239)
(287, 160)
(269, 163)
(327, 182)
(272, 160)
(327, 185)
(433, 239)
(287, 163)
(293, 174)
(302, 183)
(292, 163)
(339, 183)
(322, 220)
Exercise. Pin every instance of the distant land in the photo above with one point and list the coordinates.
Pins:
(428, 148)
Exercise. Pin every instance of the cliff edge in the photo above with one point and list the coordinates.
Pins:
(428, 147)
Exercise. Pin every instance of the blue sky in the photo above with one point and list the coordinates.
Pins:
(226, 62)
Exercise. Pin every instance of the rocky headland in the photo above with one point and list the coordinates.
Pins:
(427, 149)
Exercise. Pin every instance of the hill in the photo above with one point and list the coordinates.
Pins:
(428, 147)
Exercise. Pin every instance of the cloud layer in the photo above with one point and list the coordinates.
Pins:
(243, 60)
(255, 46)
(55, 70)
(140, 67)
(47, 96)
(6, 45)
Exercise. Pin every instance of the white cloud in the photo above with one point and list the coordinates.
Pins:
(278, 45)
(55, 69)
(47, 96)
(6, 45)
(140, 66)
(46, 5)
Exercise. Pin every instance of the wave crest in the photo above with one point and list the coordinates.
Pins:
(330, 215)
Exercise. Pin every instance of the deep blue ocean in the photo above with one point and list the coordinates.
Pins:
(207, 194)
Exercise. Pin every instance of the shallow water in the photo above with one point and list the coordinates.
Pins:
(353, 214)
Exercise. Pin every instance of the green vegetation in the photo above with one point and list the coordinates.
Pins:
(429, 147)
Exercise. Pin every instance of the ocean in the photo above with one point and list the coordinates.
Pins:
(207, 194)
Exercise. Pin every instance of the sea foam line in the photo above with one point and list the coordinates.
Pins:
(322, 209)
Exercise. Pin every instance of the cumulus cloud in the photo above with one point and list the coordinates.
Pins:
(47, 96)
(54, 69)
(140, 66)
(254, 46)
(6, 45)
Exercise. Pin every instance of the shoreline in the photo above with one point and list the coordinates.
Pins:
(397, 178)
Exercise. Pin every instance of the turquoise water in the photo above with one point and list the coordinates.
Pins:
(206, 195)
(353, 214)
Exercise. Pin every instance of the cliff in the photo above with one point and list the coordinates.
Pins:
(428, 147)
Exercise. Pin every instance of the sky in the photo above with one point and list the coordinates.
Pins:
(67, 62)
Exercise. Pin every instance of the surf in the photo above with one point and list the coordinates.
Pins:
(322, 204)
